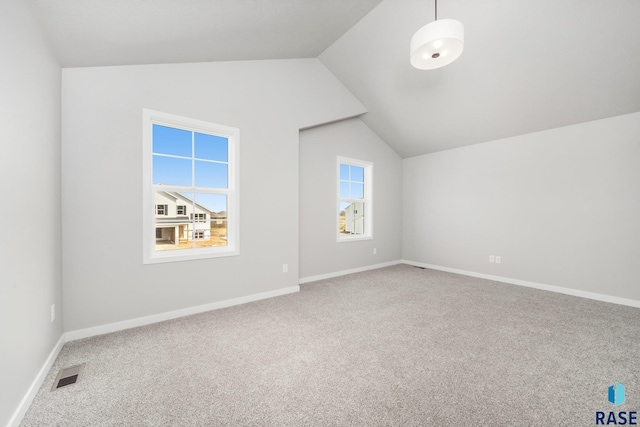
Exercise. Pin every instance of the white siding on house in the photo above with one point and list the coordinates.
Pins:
(173, 228)
(354, 218)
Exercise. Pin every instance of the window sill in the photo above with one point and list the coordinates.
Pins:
(343, 239)
(171, 256)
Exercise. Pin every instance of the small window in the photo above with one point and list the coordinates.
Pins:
(355, 207)
(190, 170)
(199, 217)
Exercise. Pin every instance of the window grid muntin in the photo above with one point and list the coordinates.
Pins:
(366, 200)
(193, 157)
(192, 189)
(231, 201)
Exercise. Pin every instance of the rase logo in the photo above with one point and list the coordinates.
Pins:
(616, 396)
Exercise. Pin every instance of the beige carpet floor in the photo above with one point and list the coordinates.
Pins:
(399, 346)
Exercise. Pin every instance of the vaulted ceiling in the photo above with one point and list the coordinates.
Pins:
(124, 32)
(527, 66)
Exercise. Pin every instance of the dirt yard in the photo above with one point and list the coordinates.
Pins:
(342, 226)
(218, 238)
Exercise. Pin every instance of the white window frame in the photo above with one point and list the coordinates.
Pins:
(368, 200)
(150, 254)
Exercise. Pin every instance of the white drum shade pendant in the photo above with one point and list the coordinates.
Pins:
(437, 44)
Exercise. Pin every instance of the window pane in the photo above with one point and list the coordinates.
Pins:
(213, 175)
(216, 208)
(342, 217)
(171, 237)
(211, 147)
(344, 172)
(170, 229)
(217, 233)
(357, 191)
(168, 140)
(205, 224)
(344, 190)
(212, 203)
(171, 171)
(353, 218)
(357, 174)
(185, 199)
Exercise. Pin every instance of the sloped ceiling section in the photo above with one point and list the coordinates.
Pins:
(128, 32)
(528, 65)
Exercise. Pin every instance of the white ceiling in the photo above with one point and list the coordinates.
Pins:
(528, 65)
(124, 32)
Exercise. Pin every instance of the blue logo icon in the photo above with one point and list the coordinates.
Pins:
(616, 394)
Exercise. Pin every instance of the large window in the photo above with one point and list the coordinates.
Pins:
(190, 188)
(355, 207)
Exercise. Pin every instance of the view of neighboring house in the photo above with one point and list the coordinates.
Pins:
(178, 218)
(354, 218)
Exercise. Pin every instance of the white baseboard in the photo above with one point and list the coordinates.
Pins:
(551, 288)
(18, 415)
(141, 321)
(147, 320)
(304, 280)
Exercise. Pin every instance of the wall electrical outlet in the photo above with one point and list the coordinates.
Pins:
(498, 260)
(53, 312)
(492, 258)
(375, 251)
(285, 268)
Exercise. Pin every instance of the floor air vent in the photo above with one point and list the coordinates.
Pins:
(68, 376)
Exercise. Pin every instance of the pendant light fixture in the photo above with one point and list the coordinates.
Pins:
(437, 44)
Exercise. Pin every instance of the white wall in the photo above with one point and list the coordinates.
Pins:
(105, 280)
(561, 207)
(30, 213)
(320, 253)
